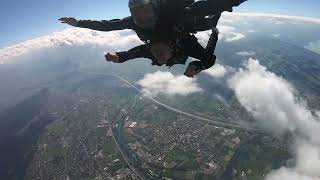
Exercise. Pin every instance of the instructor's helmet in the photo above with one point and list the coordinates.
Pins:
(144, 12)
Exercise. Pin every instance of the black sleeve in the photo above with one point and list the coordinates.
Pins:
(203, 65)
(142, 51)
(204, 24)
(204, 8)
(191, 47)
(104, 25)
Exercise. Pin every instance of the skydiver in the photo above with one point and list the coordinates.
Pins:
(151, 19)
(160, 53)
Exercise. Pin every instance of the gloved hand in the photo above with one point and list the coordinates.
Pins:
(112, 57)
(193, 69)
(69, 20)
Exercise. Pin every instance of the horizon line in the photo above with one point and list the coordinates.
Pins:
(274, 15)
(234, 14)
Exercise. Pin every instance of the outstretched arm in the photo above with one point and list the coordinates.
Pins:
(104, 25)
(207, 59)
(142, 51)
(195, 67)
(204, 8)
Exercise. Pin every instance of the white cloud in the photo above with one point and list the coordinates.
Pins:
(308, 158)
(114, 41)
(314, 46)
(246, 53)
(166, 83)
(273, 103)
(318, 114)
(259, 92)
(307, 168)
(72, 37)
(229, 34)
(203, 37)
(276, 21)
(235, 37)
(275, 35)
(226, 33)
(217, 71)
(264, 16)
(226, 20)
(288, 174)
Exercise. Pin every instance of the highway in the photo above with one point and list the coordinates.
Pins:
(121, 152)
(172, 109)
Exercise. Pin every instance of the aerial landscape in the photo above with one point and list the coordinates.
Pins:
(66, 113)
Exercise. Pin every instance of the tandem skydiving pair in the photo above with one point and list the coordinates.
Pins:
(167, 28)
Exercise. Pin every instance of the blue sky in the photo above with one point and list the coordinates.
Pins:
(27, 19)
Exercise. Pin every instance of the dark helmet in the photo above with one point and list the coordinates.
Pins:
(142, 18)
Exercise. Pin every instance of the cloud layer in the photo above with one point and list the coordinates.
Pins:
(288, 174)
(70, 37)
(229, 34)
(246, 53)
(166, 83)
(314, 46)
(274, 104)
(226, 34)
(273, 17)
(217, 71)
(117, 39)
